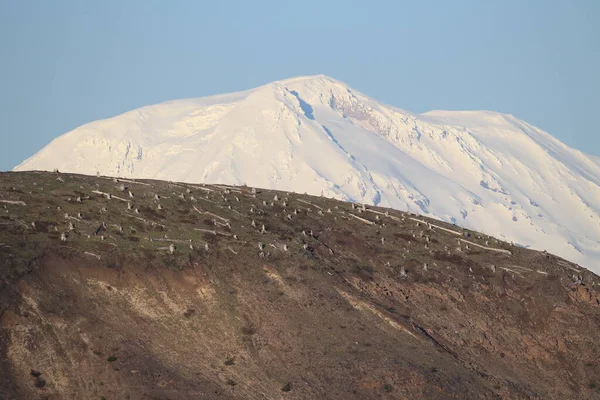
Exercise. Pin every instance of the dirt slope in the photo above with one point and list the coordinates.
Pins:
(326, 301)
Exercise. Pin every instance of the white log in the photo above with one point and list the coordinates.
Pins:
(92, 254)
(230, 188)
(216, 216)
(168, 240)
(16, 202)
(438, 227)
(309, 203)
(487, 248)
(136, 182)
(366, 221)
(202, 188)
(145, 220)
(214, 232)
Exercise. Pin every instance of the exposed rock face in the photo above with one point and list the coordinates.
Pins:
(339, 313)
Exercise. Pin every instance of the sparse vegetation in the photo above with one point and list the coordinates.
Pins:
(340, 301)
(188, 313)
(39, 382)
(249, 328)
(287, 387)
(229, 361)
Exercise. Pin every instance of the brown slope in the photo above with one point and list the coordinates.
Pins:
(115, 315)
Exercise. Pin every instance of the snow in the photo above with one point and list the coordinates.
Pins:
(484, 170)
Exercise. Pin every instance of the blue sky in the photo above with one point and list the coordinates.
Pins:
(65, 63)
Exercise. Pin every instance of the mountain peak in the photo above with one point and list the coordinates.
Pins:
(320, 78)
(314, 85)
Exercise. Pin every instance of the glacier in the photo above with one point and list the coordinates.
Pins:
(479, 169)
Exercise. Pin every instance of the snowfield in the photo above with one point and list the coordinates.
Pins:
(483, 170)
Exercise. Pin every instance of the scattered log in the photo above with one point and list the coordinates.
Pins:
(513, 271)
(22, 223)
(145, 220)
(168, 240)
(213, 232)
(16, 202)
(216, 216)
(100, 193)
(131, 181)
(202, 188)
(487, 248)
(366, 221)
(119, 198)
(227, 225)
(92, 254)
(437, 227)
(387, 214)
(225, 187)
(309, 203)
(108, 195)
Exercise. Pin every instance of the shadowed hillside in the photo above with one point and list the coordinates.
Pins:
(156, 290)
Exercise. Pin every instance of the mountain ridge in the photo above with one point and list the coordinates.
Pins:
(141, 289)
(314, 134)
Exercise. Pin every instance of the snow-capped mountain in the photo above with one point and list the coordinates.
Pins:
(482, 170)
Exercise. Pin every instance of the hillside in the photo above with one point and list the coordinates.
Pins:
(483, 170)
(159, 290)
